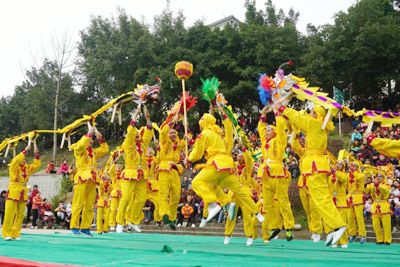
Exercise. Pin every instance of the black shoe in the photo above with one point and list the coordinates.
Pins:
(379, 243)
(387, 243)
(159, 224)
(165, 219)
(172, 226)
(274, 233)
(289, 235)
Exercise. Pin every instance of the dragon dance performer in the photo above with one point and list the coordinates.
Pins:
(219, 169)
(275, 177)
(153, 187)
(338, 188)
(114, 171)
(379, 191)
(133, 183)
(17, 195)
(243, 172)
(388, 147)
(169, 171)
(103, 204)
(315, 165)
(85, 180)
(355, 201)
(313, 218)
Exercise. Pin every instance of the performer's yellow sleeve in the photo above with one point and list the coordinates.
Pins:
(281, 136)
(198, 149)
(80, 146)
(297, 148)
(248, 159)
(130, 137)
(34, 166)
(262, 131)
(102, 150)
(390, 148)
(164, 134)
(15, 164)
(147, 136)
(228, 138)
(296, 118)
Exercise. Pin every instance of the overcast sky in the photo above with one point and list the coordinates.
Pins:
(28, 26)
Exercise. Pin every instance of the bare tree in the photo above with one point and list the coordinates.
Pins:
(63, 51)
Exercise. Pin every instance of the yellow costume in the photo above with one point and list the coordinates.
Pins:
(133, 183)
(380, 209)
(116, 193)
(17, 195)
(315, 164)
(276, 179)
(338, 188)
(169, 170)
(313, 218)
(103, 206)
(355, 201)
(85, 180)
(153, 187)
(219, 167)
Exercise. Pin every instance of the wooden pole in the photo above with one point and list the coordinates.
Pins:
(326, 120)
(185, 118)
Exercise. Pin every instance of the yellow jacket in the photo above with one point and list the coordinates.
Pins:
(86, 159)
(315, 157)
(170, 152)
(338, 187)
(104, 194)
(273, 150)
(228, 137)
(19, 173)
(135, 152)
(379, 194)
(150, 174)
(210, 144)
(244, 171)
(388, 147)
(355, 188)
(115, 177)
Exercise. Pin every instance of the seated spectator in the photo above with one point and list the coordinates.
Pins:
(382, 161)
(51, 168)
(148, 210)
(396, 216)
(355, 146)
(46, 214)
(60, 213)
(187, 214)
(64, 168)
(367, 209)
(356, 135)
(293, 167)
(185, 183)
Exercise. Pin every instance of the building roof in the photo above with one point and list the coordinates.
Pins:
(214, 24)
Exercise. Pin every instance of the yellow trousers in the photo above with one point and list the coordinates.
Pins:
(247, 223)
(170, 193)
(355, 221)
(278, 188)
(209, 177)
(319, 193)
(382, 228)
(345, 237)
(313, 217)
(223, 199)
(154, 197)
(13, 218)
(113, 211)
(102, 219)
(135, 190)
(83, 205)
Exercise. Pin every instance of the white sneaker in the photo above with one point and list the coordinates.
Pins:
(260, 217)
(329, 238)
(276, 237)
(249, 242)
(7, 238)
(338, 234)
(184, 224)
(112, 228)
(227, 240)
(316, 238)
(213, 210)
(394, 229)
(266, 241)
(345, 246)
(17, 239)
(120, 228)
(312, 236)
(179, 225)
(334, 246)
(203, 222)
(135, 228)
(193, 225)
(32, 227)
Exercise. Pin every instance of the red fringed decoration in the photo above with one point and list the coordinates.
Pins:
(267, 83)
(190, 102)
